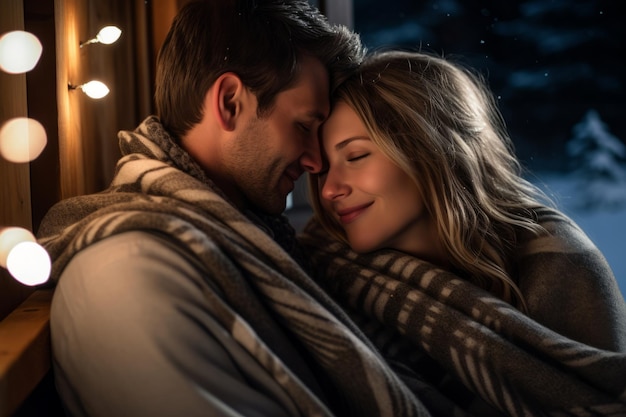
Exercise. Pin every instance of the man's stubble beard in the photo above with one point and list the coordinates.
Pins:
(255, 176)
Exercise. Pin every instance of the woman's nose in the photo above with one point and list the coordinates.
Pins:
(334, 186)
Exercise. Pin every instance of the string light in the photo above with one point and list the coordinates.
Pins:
(29, 263)
(23, 257)
(94, 89)
(19, 51)
(22, 139)
(107, 35)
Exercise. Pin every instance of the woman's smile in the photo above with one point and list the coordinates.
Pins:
(352, 213)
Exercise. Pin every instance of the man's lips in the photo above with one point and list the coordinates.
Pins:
(292, 176)
(350, 214)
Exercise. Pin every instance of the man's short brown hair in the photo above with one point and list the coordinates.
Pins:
(259, 40)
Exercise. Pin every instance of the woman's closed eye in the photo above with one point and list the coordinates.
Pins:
(354, 158)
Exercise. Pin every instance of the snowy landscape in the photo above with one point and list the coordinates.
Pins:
(593, 194)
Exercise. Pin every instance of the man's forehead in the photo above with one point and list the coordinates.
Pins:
(310, 100)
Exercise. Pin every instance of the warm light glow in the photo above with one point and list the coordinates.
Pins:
(95, 89)
(107, 36)
(9, 238)
(19, 51)
(29, 263)
(22, 139)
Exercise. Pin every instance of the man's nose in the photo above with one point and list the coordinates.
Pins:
(311, 159)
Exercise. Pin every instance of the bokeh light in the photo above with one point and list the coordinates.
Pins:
(29, 263)
(19, 51)
(22, 139)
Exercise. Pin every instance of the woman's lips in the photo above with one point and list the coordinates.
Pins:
(350, 214)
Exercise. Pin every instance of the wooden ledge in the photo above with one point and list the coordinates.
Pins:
(25, 350)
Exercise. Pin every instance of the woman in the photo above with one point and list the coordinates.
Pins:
(419, 166)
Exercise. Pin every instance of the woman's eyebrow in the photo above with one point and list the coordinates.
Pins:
(347, 141)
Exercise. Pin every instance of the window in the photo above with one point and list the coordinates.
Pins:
(554, 67)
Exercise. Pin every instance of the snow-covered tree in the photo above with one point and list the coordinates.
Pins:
(598, 162)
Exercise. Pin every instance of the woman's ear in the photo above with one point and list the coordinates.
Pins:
(227, 94)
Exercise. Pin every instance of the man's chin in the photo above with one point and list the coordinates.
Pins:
(273, 208)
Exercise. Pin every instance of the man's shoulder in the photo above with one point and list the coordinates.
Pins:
(133, 251)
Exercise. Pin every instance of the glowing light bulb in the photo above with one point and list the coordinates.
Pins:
(95, 89)
(29, 263)
(22, 139)
(9, 238)
(19, 51)
(107, 36)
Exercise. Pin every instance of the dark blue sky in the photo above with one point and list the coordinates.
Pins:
(548, 61)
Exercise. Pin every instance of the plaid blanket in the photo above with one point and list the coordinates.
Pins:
(158, 187)
(419, 315)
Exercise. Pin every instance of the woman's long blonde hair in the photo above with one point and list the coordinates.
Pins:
(438, 122)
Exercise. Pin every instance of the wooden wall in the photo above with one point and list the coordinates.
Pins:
(15, 203)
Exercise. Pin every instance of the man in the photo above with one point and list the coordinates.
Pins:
(176, 293)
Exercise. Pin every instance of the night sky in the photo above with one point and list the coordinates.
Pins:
(548, 62)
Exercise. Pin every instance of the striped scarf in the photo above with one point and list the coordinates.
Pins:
(158, 187)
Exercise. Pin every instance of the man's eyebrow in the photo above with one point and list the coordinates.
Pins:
(347, 141)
